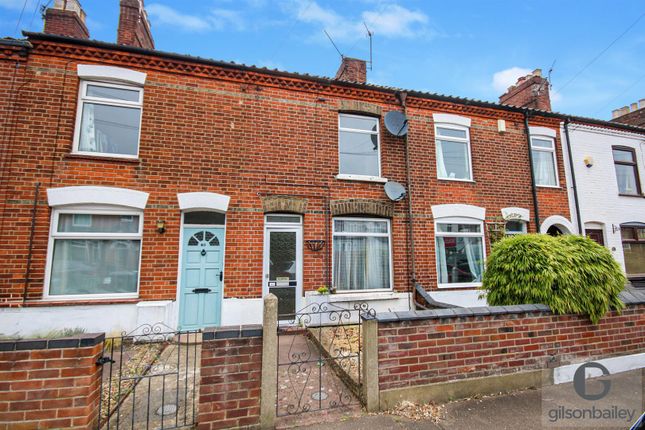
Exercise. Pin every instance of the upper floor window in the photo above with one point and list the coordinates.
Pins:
(626, 170)
(544, 166)
(453, 152)
(108, 120)
(358, 147)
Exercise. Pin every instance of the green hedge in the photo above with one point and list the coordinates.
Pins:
(570, 274)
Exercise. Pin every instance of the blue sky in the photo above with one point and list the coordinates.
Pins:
(472, 48)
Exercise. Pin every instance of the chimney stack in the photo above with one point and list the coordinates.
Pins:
(134, 27)
(634, 114)
(66, 18)
(352, 70)
(531, 91)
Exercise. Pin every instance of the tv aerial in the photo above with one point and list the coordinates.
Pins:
(394, 191)
(396, 123)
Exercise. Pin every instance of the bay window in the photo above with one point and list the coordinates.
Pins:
(459, 252)
(361, 254)
(94, 253)
(108, 120)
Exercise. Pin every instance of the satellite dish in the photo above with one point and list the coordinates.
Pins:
(394, 191)
(396, 123)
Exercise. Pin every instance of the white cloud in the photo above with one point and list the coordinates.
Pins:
(395, 21)
(164, 15)
(215, 19)
(505, 78)
(386, 20)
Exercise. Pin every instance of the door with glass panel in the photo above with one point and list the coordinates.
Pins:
(202, 270)
(283, 262)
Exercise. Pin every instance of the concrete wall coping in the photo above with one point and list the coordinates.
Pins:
(631, 297)
(232, 332)
(81, 341)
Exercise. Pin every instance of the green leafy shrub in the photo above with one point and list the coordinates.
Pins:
(570, 274)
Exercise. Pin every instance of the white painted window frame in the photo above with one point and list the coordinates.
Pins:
(553, 157)
(439, 138)
(389, 245)
(351, 176)
(83, 98)
(480, 234)
(91, 210)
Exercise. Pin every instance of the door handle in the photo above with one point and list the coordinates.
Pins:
(221, 276)
(201, 290)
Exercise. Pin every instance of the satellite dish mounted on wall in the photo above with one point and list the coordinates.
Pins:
(396, 123)
(394, 191)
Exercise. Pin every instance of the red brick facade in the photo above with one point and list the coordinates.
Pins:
(231, 371)
(245, 133)
(426, 351)
(50, 383)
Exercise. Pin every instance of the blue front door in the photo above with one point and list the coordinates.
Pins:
(201, 278)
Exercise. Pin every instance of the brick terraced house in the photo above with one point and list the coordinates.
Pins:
(139, 186)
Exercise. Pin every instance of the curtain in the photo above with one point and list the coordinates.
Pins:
(442, 264)
(361, 263)
(88, 130)
(543, 168)
(441, 164)
(626, 179)
(472, 246)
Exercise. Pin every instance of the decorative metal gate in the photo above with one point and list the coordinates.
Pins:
(319, 358)
(150, 379)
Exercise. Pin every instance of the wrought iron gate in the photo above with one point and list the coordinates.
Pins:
(319, 358)
(150, 379)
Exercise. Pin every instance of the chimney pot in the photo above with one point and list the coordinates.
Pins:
(633, 107)
(66, 18)
(134, 26)
(352, 70)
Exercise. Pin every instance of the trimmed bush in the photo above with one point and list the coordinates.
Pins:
(570, 274)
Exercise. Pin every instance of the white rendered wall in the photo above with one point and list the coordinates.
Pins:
(597, 186)
(463, 298)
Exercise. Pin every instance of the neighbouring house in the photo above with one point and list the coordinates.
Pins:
(633, 114)
(140, 186)
(608, 164)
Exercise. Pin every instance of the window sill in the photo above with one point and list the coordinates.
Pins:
(631, 195)
(353, 296)
(456, 180)
(94, 157)
(548, 186)
(362, 178)
(472, 285)
(50, 301)
(98, 299)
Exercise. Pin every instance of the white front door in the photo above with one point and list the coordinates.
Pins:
(283, 262)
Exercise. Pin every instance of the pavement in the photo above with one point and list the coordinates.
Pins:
(525, 410)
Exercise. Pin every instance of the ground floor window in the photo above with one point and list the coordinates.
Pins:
(514, 226)
(94, 252)
(459, 252)
(634, 249)
(361, 254)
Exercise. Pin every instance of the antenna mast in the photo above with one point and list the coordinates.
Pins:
(369, 34)
(332, 42)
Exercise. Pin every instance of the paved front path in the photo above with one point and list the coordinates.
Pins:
(519, 410)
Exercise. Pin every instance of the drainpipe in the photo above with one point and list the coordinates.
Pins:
(402, 97)
(533, 187)
(31, 242)
(573, 175)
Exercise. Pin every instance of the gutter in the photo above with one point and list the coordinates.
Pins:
(533, 187)
(573, 176)
(324, 80)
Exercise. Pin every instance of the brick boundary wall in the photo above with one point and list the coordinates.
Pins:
(50, 383)
(231, 370)
(418, 348)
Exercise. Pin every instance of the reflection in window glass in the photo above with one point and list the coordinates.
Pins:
(109, 129)
(358, 145)
(459, 253)
(93, 223)
(113, 93)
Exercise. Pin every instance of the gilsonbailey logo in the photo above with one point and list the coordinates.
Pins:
(580, 381)
(591, 391)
